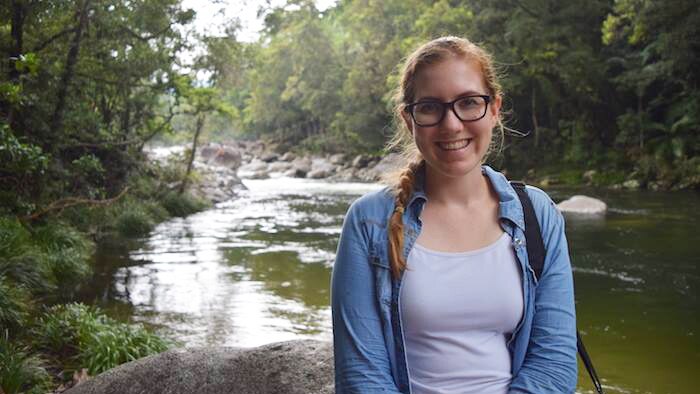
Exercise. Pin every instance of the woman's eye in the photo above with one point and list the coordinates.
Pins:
(428, 108)
(468, 102)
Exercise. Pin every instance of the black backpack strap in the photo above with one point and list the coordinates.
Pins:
(535, 253)
(533, 235)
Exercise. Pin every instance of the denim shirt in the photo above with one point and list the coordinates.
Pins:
(368, 341)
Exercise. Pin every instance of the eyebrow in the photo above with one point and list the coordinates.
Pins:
(463, 94)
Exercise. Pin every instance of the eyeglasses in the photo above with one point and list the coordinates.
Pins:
(466, 108)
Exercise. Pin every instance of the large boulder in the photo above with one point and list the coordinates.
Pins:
(209, 150)
(302, 163)
(321, 168)
(303, 367)
(227, 156)
(360, 161)
(387, 165)
(583, 205)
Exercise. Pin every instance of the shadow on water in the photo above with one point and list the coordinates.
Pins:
(256, 270)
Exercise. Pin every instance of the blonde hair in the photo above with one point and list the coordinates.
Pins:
(430, 53)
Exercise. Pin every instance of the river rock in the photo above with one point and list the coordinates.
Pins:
(288, 156)
(262, 174)
(631, 184)
(279, 166)
(337, 159)
(269, 157)
(388, 164)
(583, 205)
(321, 168)
(227, 156)
(360, 161)
(208, 151)
(318, 174)
(589, 175)
(293, 367)
(295, 173)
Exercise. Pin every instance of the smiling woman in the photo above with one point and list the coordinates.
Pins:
(432, 291)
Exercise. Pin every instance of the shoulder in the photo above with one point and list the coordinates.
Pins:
(372, 207)
(540, 199)
(548, 215)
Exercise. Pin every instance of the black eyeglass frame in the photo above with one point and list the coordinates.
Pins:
(445, 106)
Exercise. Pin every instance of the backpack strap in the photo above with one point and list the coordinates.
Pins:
(533, 234)
(536, 253)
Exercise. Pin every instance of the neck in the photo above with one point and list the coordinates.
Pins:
(466, 190)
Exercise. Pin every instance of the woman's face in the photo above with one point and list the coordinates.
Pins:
(453, 147)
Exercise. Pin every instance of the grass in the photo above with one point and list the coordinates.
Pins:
(21, 371)
(133, 220)
(182, 204)
(83, 337)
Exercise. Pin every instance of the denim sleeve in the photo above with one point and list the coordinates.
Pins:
(361, 358)
(550, 361)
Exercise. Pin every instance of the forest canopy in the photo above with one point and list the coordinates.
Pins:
(86, 84)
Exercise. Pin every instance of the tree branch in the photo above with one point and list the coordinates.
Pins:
(64, 203)
(527, 10)
(144, 38)
(52, 39)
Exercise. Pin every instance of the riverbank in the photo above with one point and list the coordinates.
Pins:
(49, 342)
(262, 160)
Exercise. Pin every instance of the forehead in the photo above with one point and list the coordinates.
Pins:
(448, 79)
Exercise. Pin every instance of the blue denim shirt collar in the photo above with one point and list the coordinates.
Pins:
(509, 204)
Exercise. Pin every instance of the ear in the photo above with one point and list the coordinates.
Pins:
(407, 121)
(495, 106)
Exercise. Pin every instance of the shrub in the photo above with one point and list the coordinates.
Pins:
(182, 204)
(21, 372)
(15, 304)
(14, 239)
(84, 337)
(66, 253)
(134, 220)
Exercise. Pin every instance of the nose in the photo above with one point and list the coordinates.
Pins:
(451, 122)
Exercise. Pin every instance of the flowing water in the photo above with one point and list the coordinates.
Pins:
(256, 270)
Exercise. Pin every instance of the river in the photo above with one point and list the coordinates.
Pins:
(256, 270)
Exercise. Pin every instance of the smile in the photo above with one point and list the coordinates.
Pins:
(454, 145)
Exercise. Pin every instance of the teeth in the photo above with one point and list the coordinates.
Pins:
(454, 145)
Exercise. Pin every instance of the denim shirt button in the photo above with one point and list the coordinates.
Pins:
(518, 241)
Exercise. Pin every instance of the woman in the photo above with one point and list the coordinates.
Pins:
(431, 290)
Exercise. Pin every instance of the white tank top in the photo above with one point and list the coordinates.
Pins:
(457, 311)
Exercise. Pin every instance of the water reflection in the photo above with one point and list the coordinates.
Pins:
(250, 271)
(256, 270)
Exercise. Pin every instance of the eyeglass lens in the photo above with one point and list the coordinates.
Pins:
(430, 113)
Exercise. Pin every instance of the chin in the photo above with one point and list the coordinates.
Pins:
(454, 169)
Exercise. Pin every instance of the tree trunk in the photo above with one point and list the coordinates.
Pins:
(17, 32)
(197, 131)
(81, 16)
(535, 125)
(639, 119)
(19, 11)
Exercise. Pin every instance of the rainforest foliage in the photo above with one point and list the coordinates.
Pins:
(602, 84)
(85, 85)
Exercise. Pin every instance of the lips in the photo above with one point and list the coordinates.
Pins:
(454, 145)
